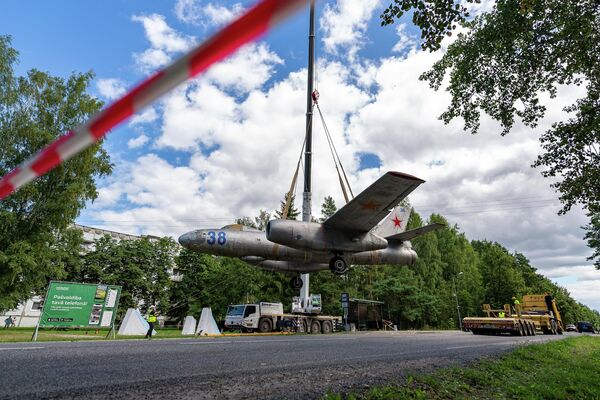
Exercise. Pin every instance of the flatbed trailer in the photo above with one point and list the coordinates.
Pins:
(538, 313)
(492, 326)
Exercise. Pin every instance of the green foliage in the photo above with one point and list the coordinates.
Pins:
(409, 304)
(141, 267)
(435, 18)
(259, 222)
(205, 276)
(34, 234)
(292, 213)
(502, 280)
(328, 208)
(592, 236)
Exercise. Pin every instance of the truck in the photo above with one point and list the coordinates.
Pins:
(537, 313)
(267, 317)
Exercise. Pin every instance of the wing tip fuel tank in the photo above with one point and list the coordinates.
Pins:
(406, 176)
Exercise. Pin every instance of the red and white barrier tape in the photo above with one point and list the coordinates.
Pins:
(252, 24)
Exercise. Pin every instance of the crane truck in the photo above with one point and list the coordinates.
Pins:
(267, 317)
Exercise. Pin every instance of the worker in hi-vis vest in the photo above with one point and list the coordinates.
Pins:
(517, 304)
(151, 321)
(501, 314)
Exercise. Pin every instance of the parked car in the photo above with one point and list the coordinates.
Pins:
(571, 328)
(583, 326)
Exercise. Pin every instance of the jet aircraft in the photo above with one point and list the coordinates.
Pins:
(363, 232)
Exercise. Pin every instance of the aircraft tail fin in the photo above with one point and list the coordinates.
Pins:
(395, 222)
(413, 233)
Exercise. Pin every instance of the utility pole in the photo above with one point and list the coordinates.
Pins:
(456, 298)
(306, 197)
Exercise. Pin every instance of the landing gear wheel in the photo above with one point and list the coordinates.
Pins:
(296, 282)
(338, 266)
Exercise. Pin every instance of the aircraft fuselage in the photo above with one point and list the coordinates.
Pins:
(255, 248)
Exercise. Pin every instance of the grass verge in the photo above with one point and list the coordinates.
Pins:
(57, 335)
(563, 369)
(54, 335)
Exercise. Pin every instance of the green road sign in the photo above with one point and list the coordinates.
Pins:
(80, 305)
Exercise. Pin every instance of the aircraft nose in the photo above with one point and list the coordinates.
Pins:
(186, 239)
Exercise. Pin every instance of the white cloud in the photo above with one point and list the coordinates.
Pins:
(165, 198)
(188, 11)
(161, 35)
(209, 15)
(583, 273)
(234, 71)
(110, 88)
(145, 117)
(164, 41)
(107, 196)
(405, 40)
(151, 59)
(194, 114)
(137, 142)
(345, 24)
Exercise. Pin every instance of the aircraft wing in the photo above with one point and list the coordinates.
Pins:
(373, 204)
(413, 233)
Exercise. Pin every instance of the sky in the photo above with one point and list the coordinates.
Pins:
(226, 144)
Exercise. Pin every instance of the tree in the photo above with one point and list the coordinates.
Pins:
(593, 237)
(34, 110)
(186, 296)
(292, 211)
(259, 222)
(140, 266)
(328, 208)
(246, 221)
(505, 60)
(436, 19)
(502, 280)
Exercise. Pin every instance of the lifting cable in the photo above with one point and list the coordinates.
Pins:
(334, 154)
(315, 97)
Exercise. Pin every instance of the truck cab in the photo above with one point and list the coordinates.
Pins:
(241, 316)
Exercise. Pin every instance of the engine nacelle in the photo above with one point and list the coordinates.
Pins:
(314, 236)
(396, 254)
(254, 260)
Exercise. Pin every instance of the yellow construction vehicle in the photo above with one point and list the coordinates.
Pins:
(542, 310)
(535, 313)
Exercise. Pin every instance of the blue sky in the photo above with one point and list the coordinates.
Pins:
(226, 144)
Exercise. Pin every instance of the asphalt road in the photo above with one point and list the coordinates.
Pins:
(295, 367)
